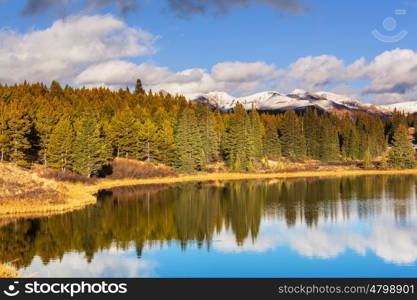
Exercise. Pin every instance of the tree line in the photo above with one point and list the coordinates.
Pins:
(82, 129)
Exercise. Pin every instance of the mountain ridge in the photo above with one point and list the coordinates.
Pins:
(300, 99)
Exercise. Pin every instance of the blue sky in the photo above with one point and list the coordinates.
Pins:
(253, 33)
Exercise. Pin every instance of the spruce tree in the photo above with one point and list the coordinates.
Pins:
(367, 160)
(4, 133)
(46, 119)
(256, 133)
(237, 145)
(402, 154)
(329, 141)
(209, 136)
(61, 145)
(89, 154)
(148, 141)
(165, 131)
(292, 136)
(311, 123)
(272, 144)
(20, 126)
(122, 132)
(189, 153)
(139, 88)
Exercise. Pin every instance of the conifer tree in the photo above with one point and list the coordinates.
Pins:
(292, 136)
(329, 141)
(148, 141)
(123, 133)
(402, 154)
(312, 133)
(165, 131)
(139, 88)
(20, 127)
(46, 118)
(4, 133)
(350, 140)
(209, 136)
(61, 145)
(189, 153)
(367, 159)
(90, 152)
(256, 133)
(237, 147)
(272, 144)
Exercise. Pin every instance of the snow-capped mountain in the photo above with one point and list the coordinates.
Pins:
(297, 99)
(406, 107)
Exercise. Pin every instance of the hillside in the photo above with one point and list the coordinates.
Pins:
(23, 191)
(297, 99)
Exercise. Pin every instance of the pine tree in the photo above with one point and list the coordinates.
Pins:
(4, 133)
(139, 88)
(350, 140)
(89, 154)
(237, 145)
(311, 123)
(272, 144)
(329, 141)
(367, 160)
(256, 133)
(402, 155)
(209, 136)
(46, 119)
(122, 132)
(148, 141)
(189, 153)
(61, 145)
(165, 131)
(292, 136)
(20, 127)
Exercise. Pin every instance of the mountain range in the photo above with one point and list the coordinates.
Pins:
(302, 100)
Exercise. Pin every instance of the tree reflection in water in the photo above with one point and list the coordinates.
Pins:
(197, 212)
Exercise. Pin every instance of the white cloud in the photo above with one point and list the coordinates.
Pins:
(315, 72)
(392, 72)
(60, 51)
(106, 263)
(232, 77)
(238, 71)
(97, 51)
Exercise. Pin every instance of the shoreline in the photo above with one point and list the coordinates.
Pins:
(78, 196)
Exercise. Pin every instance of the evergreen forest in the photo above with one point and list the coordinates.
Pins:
(82, 130)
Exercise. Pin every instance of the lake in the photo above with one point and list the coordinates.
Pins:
(340, 227)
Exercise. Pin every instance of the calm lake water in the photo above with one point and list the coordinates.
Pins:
(354, 226)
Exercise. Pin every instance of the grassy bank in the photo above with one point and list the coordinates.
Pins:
(7, 272)
(23, 193)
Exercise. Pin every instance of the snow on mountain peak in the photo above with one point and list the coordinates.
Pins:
(300, 100)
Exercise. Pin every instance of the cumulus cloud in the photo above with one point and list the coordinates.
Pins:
(238, 71)
(98, 51)
(383, 237)
(112, 262)
(392, 72)
(60, 51)
(233, 77)
(315, 72)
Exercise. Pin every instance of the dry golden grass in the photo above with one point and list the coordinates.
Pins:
(25, 194)
(7, 272)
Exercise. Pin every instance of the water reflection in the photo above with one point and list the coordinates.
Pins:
(317, 219)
